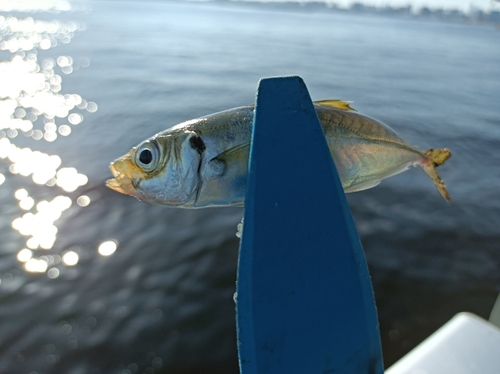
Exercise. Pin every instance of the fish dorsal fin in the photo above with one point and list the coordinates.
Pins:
(335, 104)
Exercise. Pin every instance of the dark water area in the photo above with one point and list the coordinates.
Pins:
(96, 282)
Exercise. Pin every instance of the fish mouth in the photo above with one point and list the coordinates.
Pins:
(124, 188)
(121, 182)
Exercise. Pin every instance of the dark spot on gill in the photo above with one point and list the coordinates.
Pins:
(197, 143)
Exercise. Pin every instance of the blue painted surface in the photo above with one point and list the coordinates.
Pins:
(305, 302)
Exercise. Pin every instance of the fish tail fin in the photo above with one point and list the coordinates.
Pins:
(435, 158)
(438, 156)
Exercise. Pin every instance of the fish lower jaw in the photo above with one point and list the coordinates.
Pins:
(123, 187)
(114, 185)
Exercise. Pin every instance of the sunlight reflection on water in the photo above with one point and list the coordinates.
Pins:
(31, 104)
(107, 248)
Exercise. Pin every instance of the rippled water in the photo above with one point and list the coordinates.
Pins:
(96, 282)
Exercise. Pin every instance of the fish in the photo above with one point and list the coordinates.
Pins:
(204, 162)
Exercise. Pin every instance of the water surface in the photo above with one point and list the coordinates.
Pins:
(157, 296)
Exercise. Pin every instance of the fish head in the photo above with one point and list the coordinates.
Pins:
(162, 170)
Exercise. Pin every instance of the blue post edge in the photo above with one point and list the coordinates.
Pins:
(304, 301)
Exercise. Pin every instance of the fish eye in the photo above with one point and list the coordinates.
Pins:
(147, 156)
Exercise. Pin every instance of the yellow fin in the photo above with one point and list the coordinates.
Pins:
(335, 104)
(437, 157)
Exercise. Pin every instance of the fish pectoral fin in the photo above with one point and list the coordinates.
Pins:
(231, 162)
(335, 104)
(237, 152)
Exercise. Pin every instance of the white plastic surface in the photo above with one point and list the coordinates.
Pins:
(467, 344)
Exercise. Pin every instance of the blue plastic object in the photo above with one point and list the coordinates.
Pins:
(305, 303)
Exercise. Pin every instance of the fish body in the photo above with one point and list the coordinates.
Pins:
(204, 162)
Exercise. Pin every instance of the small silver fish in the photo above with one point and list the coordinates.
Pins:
(203, 162)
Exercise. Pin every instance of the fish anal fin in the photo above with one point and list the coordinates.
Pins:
(335, 104)
(355, 186)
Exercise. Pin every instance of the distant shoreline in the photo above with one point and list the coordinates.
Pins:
(475, 16)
